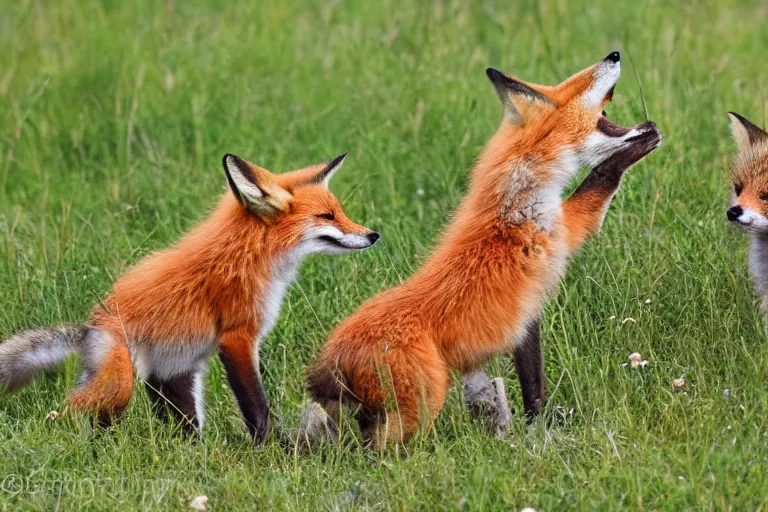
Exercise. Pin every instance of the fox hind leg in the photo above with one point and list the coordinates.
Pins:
(530, 371)
(418, 384)
(106, 383)
(179, 397)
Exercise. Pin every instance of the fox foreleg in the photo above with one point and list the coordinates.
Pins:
(585, 209)
(238, 353)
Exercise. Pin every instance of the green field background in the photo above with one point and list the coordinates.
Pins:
(114, 117)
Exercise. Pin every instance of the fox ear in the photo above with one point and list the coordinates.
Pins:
(255, 187)
(745, 133)
(521, 102)
(323, 177)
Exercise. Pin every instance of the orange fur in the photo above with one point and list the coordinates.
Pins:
(486, 280)
(206, 287)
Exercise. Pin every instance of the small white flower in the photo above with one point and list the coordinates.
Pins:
(53, 416)
(678, 383)
(199, 503)
(420, 192)
(528, 509)
(635, 359)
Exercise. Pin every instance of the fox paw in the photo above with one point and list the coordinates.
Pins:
(486, 400)
(316, 427)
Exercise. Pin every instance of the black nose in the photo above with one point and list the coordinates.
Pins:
(613, 57)
(373, 237)
(734, 213)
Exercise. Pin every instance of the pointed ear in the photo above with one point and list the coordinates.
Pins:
(255, 187)
(745, 133)
(521, 102)
(323, 177)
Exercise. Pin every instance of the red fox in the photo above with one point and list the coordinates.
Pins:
(749, 201)
(219, 288)
(482, 290)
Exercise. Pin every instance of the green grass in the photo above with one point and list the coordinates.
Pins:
(113, 120)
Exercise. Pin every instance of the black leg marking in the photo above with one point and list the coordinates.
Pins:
(530, 371)
(157, 397)
(369, 419)
(245, 382)
(175, 398)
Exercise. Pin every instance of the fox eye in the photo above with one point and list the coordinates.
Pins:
(737, 188)
(605, 114)
(326, 216)
(764, 196)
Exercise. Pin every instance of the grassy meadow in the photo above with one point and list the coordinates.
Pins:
(114, 117)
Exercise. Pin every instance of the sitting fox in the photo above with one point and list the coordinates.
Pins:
(482, 290)
(219, 289)
(749, 201)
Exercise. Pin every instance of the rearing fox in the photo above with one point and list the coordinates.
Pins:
(219, 289)
(482, 290)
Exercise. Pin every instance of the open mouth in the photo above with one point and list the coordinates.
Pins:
(645, 131)
(332, 241)
(610, 128)
(742, 223)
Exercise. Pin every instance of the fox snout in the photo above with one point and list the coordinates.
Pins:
(336, 239)
(734, 212)
(747, 218)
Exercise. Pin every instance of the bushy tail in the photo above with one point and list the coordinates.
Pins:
(326, 385)
(26, 354)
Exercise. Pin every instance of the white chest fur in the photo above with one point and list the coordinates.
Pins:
(528, 199)
(268, 306)
(758, 266)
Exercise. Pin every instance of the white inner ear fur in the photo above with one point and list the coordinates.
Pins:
(740, 134)
(250, 192)
(329, 174)
(606, 75)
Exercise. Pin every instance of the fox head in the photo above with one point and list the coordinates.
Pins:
(298, 207)
(566, 125)
(749, 173)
